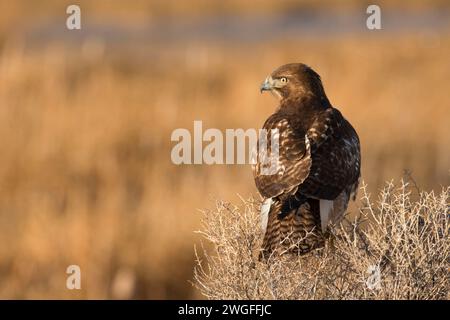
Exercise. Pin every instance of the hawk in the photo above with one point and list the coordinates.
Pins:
(317, 168)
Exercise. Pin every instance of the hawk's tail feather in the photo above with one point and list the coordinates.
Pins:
(294, 231)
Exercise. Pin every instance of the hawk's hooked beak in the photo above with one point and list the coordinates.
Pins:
(267, 84)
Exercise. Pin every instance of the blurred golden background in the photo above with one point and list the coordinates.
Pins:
(86, 118)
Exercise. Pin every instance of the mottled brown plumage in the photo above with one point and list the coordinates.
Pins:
(318, 167)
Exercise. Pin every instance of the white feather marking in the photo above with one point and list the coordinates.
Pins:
(326, 208)
(307, 144)
(265, 208)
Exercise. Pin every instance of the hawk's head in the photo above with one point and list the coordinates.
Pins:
(294, 80)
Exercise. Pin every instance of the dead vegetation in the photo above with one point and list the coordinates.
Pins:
(396, 248)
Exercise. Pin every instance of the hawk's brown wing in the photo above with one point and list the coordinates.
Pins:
(292, 164)
(336, 157)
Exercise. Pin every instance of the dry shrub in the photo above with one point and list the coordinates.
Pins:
(403, 238)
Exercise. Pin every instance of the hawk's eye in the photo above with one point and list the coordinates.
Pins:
(283, 80)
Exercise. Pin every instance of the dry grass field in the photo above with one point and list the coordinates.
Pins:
(85, 171)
